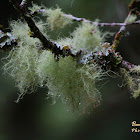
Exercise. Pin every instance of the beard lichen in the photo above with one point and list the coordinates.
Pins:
(87, 37)
(21, 65)
(136, 92)
(56, 18)
(21, 62)
(136, 69)
(22, 32)
(74, 84)
(133, 83)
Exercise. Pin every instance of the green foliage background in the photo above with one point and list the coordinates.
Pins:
(34, 118)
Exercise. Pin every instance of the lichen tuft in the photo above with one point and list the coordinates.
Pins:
(20, 65)
(132, 83)
(136, 92)
(136, 69)
(131, 18)
(128, 79)
(22, 32)
(21, 62)
(74, 84)
(87, 37)
(56, 18)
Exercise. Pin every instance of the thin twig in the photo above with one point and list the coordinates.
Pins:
(120, 33)
(127, 65)
(23, 3)
(88, 21)
(100, 24)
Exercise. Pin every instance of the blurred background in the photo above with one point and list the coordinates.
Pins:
(35, 118)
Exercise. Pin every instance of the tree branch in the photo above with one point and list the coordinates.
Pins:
(23, 3)
(88, 21)
(120, 33)
(97, 23)
(47, 44)
(112, 57)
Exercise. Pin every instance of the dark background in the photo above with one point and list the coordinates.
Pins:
(35, 118)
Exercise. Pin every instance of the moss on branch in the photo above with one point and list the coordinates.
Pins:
(71, 67)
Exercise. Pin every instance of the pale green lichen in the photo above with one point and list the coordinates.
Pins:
(20, 30)
(131, 18)
(46, 66)
(21, 65)
(35, 7)
(136, 69)
(65, 41)
(74, 84)
(87, 37)
(132, 83)
(23, 33)
(128, 79)
(56, 18)
(21, 62)
(137, 92)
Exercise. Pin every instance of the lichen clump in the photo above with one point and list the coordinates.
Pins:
(21, 61)
(131, 18)
(136, 69)
(136, 92)
(87, 37)
(74, 84)
(20, 65)
(132, 83)
(56, 18)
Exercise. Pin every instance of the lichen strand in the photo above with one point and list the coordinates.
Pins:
(21, 61)
(132, 83)
(136, 69)
(47, 66)
(137, 91)
(35, 7)
(21, 65)
(23, 33)
(131, 18)
(128, 79)
(56, 18)
(65, 42)
(87, 37)
(75, 85)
